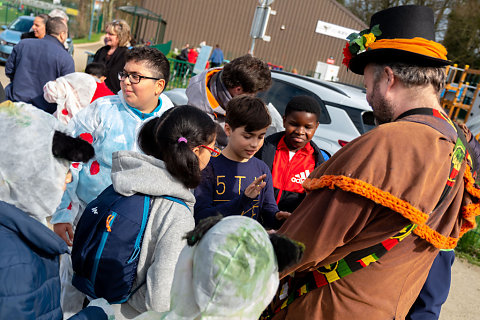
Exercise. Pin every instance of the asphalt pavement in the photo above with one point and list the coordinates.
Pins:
(79, 57)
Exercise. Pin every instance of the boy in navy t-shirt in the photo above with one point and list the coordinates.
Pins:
(236, 183)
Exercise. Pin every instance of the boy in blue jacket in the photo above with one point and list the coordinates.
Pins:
(235, 183)
(109, 124)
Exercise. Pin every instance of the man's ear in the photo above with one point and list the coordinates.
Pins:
(63, 36)
(390, 77)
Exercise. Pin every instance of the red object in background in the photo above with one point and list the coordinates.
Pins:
(272, 66)
(101, 91)
(192, 55)
(331, 60)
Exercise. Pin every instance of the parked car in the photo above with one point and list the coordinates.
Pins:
(346, 115)
(11, 35)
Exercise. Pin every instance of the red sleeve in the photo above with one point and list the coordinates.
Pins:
(102, 91)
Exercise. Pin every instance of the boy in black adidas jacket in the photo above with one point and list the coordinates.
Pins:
(291, 155)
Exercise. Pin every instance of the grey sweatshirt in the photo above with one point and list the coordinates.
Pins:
(168, 222)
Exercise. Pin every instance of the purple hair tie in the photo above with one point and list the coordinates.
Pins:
(182, 139)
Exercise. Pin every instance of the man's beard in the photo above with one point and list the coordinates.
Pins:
(382, 109)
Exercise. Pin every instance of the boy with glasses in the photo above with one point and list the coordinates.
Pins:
(110, 124)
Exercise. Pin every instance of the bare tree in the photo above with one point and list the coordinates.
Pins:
(81, 26)
(462, 38)
(364, 9)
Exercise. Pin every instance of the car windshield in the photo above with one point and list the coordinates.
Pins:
(21, 25)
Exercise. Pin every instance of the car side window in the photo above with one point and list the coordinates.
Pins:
(368, 120)
(281, 92)
(22, 25)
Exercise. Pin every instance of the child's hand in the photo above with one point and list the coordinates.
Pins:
(254, 189)
(62, 229)
(282, 215)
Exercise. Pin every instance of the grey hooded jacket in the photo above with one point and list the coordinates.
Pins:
(197, 95)
(168, 222)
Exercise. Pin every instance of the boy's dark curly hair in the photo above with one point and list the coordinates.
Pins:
(250, 73)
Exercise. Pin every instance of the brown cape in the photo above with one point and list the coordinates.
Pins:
(366, 193)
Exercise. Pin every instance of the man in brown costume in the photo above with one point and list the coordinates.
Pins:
(397, 194)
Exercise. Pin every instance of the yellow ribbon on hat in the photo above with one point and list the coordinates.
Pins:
(416, 45)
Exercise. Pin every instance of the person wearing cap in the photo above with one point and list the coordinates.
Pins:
(291, 154)
(378, 212)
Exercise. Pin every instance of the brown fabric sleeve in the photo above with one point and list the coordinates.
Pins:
(333, 223)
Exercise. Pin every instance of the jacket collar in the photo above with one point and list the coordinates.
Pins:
(54, 40)
(308, 149)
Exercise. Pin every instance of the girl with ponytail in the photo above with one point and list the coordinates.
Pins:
(184, 139)
(176, 146)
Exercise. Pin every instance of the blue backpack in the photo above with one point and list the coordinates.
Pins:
(107, 244)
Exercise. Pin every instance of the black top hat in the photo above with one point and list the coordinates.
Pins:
(400, 29)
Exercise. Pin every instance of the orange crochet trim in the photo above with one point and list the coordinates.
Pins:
(470, 183)
(469, 212)
(387, 200)
(368, 191)
(435, 238)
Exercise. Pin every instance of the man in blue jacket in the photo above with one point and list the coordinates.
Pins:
(216, 59)
(34, 62)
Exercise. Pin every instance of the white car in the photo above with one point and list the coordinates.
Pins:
(345, 116)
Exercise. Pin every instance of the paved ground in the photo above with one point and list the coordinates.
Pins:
(3, 78)
(464, 299)
(79, 56)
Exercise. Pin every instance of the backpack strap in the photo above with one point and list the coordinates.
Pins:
(177, 200)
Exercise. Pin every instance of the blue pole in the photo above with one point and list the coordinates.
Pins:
(91, 21)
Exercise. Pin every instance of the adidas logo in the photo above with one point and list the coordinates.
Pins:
(300, 177)
(94, 210)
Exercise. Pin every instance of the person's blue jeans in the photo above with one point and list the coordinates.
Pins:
(434, 292)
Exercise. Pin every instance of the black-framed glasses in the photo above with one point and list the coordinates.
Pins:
(134, 78)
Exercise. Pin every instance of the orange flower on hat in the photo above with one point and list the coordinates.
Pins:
(347, 55)
(369, 39)
(359, 42)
